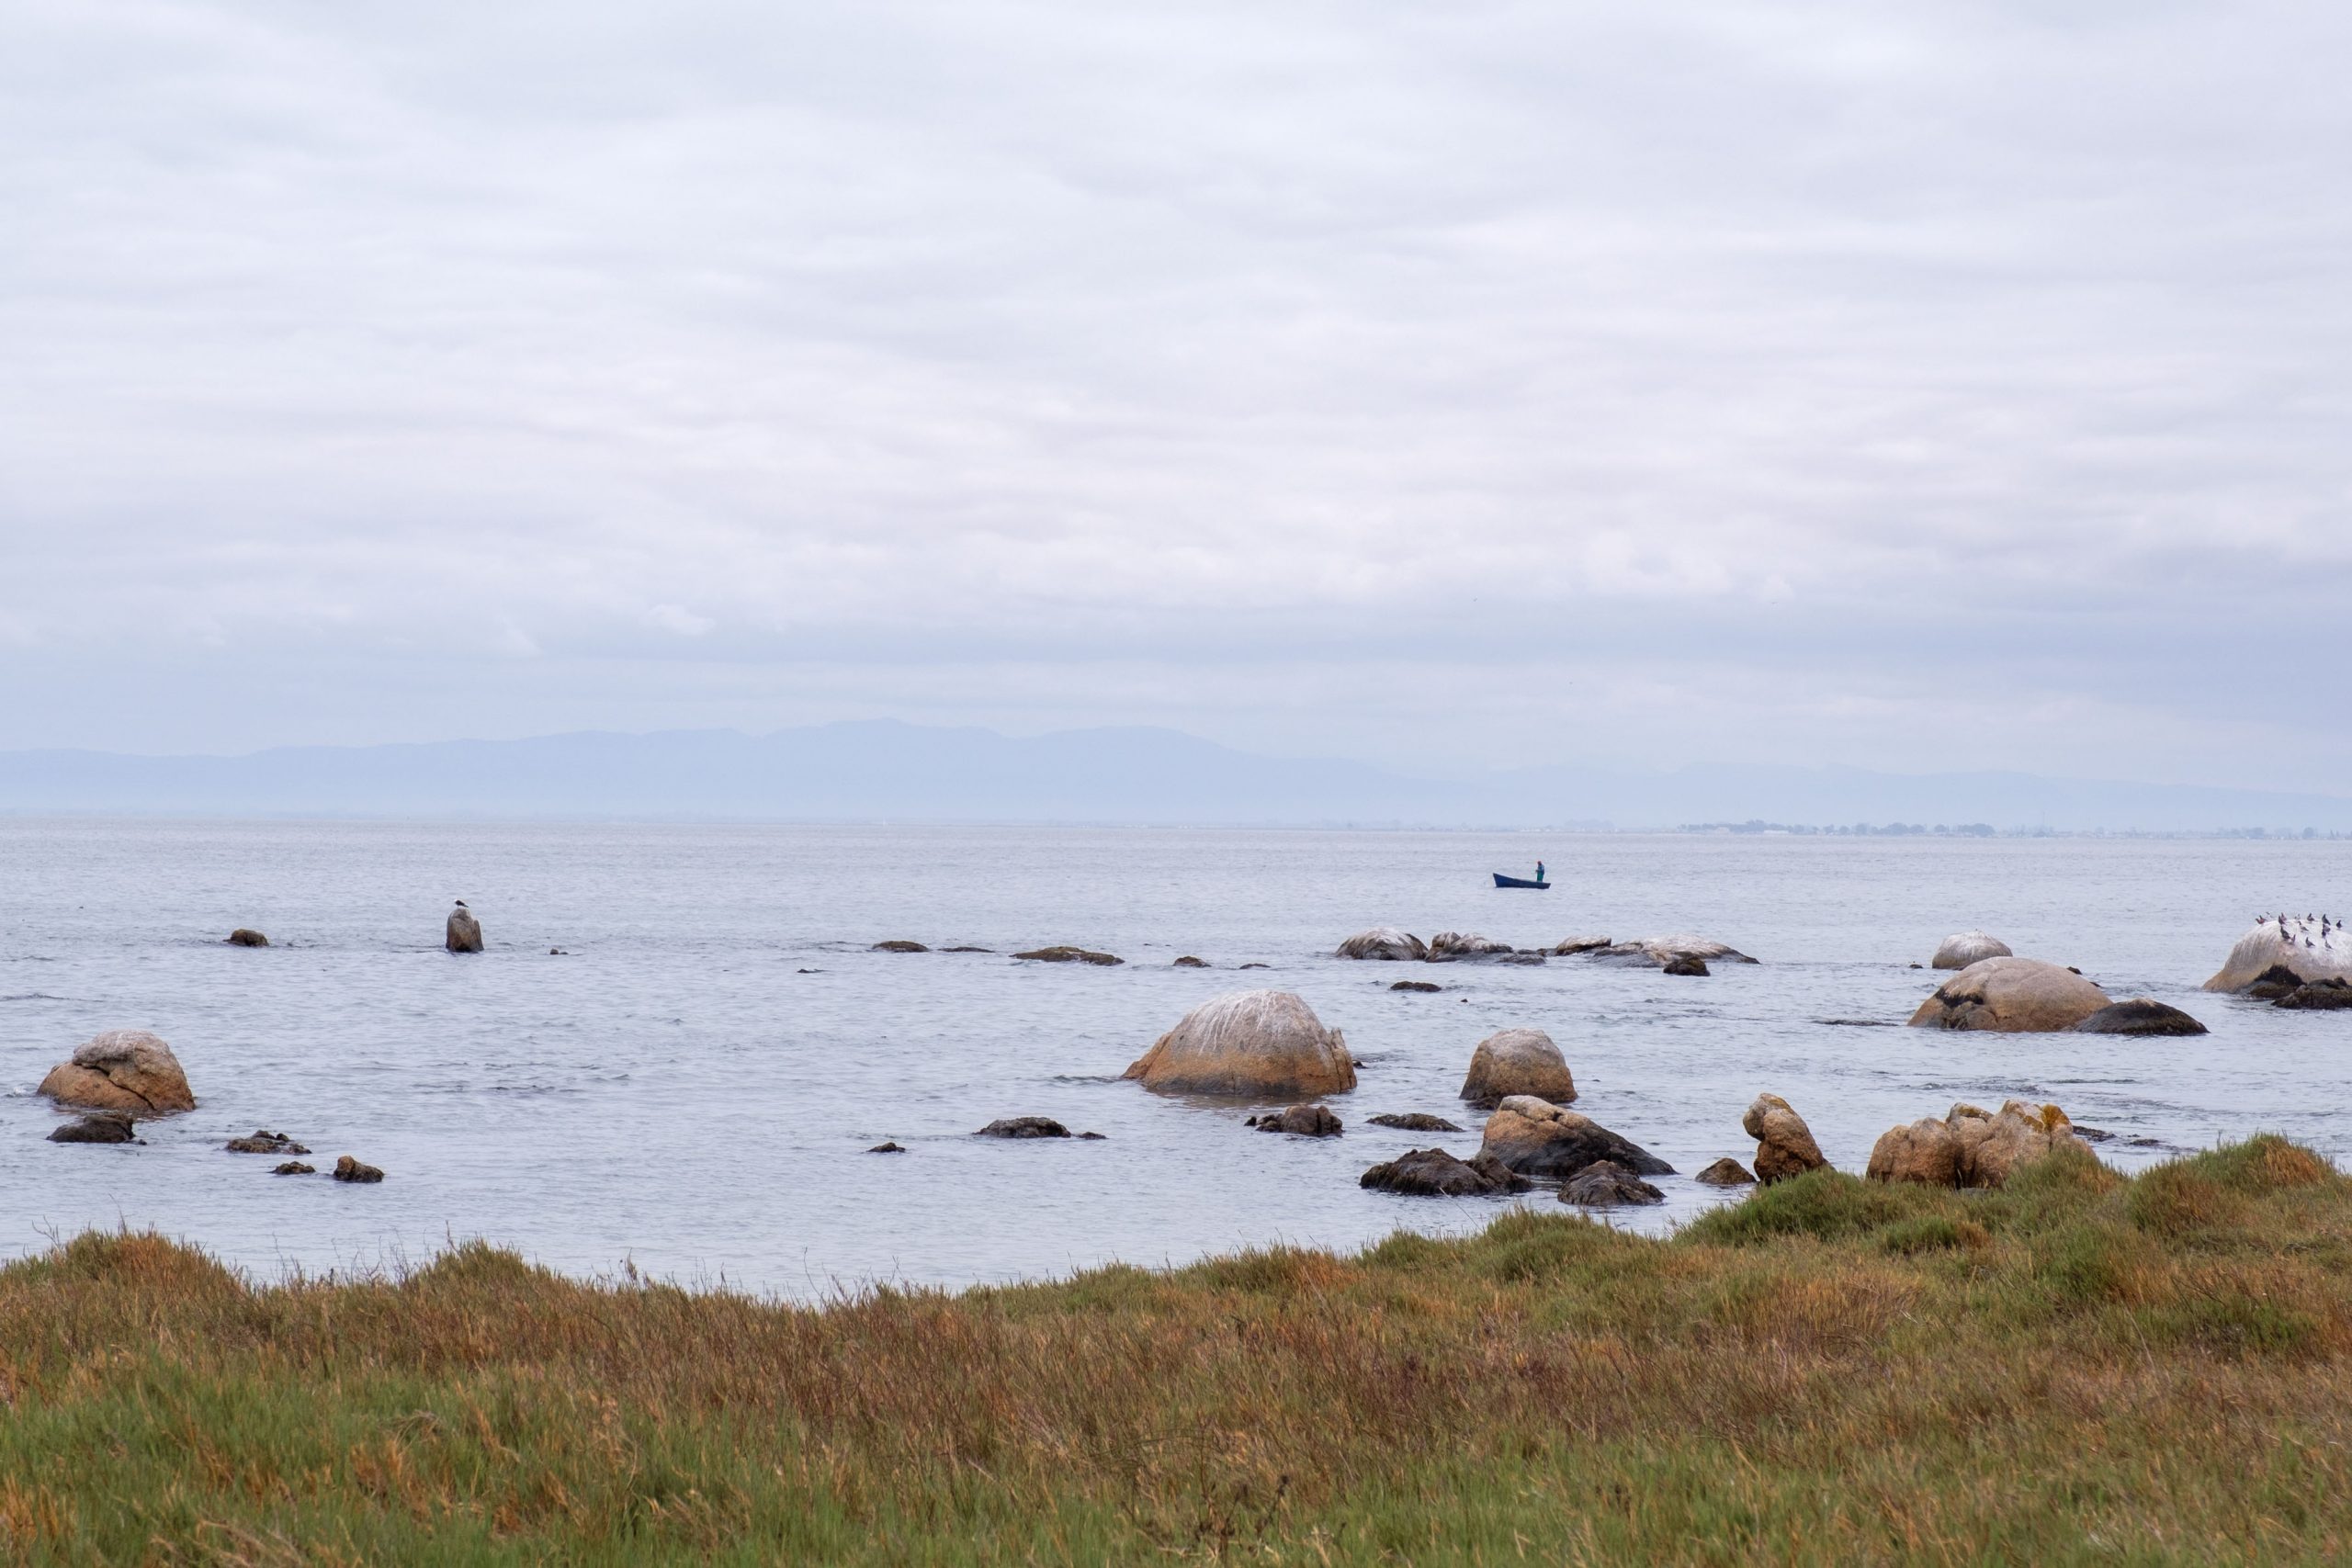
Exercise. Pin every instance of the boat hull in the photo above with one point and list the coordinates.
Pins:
(1502, 881)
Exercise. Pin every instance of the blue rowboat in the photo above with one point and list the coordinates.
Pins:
(1502, 881)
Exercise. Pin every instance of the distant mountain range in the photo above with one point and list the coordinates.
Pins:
(885, 771)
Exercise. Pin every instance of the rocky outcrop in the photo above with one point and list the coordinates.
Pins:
(246, 936)
(1384, 942)
(1658, 952)
(265, 1142)
(888, 1149)
(1433, 1173)
(1070, 955)
(2014, 996)
(1448, 946)
(2140, 1015)
(1970, 1148)
(1413, 1121)
(1189, 962)
(1265, 1044)
(99, 1129)
(1568, 946)
(296, 1168)
(349, 1169)
(1024, 1127)
(1535, 1137)
(2287, 951)
(1299, 1121)
(123, 1069)
(461, 934)
(1966, 948)
(1421, 986)
(1517, 1061)
(1726, 1173)
(1784, 1145)
(1605, 1184)
(899, 944)
(2318, 995)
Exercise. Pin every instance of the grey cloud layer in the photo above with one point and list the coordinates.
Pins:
(1797, 382)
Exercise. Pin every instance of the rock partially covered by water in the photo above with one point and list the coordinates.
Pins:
(1535, 1137)
(2014, 996)
(296, 1168)
(462, 934)
(1726, 1173)
(1784, 1145)
(265, 1142)
(1189, 962)
(891, 1148)
(1696, 966)
(246, 936)
(1422, 986)
(2140, 1015)
(1658, 952)
(1267, 1044)
(1605, 1184)
(1300, 1120)
(1966, 948)
(1070, 956)
(1517, 1061)
(2319, 995)
(899, 944)
(2285, 951)
(1568, 946)
(1433, 1173)
(1971, 1147)
(1414, 1122)
(99, 1129)
(123, 1069)
(349, 1169)
(1024, 1127)
(1447, 945)
(1384, 942)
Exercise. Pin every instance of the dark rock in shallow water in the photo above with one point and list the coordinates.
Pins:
(1416, 985)
(2093, 1134)
(462, 933)
(1414, 1122)
(1524, 958)
(2274, 983)
(1068, 956)
(94, 1130)
(899, 944)
(349, 1169)
(1024, 1127)
(886, 1149)
(1683, 965)
(2140, 1015)
(265, 1142)
(2318, 995)
(967, 950)
(1090, 1138)
(246, 936)
(1189, 962)
(1605, 1184)
(1433, 1173)
(1726, 1173)
(1256, 967)
(1304, 1121)
(1535, 1137)
(296, 1168)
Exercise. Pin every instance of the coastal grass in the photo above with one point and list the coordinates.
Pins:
(2080, 1368)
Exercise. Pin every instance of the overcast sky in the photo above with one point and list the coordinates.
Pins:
(1917, 388)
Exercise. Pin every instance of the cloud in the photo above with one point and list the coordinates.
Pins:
(1289, 373)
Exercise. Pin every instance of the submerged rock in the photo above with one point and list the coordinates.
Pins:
(1268, 1044)
(2140, 1015)
(265, 1142)
(462, 934)
(2317, 995)
(1517, 1061)
(1422, 986)
(1568, 946)
(967, 949)
(1433, 1173)
(246, 936)
(1384, 942)
(296, 1168)
(1535, 1137)
(1686, 966)
(123, 1069)
(1726, 1173)
(2287, 951)
(899, 944)
(1070, 956)
(1024, 1127)
(1605, 1184)
(100, 1129)
(1658, 952)
(1302, 1121)
(349, 1169)
(1784, 1145)
(887, 1149)
(1189, 962)
(2016, 996)
(1448, 945)
(1966, 948)
(1413, 1121)
(1970, 1148)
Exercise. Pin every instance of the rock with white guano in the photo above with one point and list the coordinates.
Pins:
(1265, 1044)
(2283, 952)
(1966, 948)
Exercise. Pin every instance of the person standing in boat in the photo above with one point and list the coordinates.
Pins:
(1539, 872)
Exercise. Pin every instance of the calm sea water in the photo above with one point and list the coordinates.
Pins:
(692, 1086)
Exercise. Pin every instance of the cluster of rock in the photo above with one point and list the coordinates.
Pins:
(2291, 961)
(1675, 954)
(1433, 1173)
(1971, 1147)
(1070, 955)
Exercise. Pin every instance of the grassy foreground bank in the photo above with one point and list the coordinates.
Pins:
(2079, 1368)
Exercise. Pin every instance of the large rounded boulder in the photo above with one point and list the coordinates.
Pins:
(123, 1069)
(1784, 1145)
(2139, 1016)
(1517, 1061)
(1968, 947)
(2014, 996)
(1384, 942)
(2283, 952)
(463, 933)
(1971, 1147)
(1265, 1044)
(1535, 1137)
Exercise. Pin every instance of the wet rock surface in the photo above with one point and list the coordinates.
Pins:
(246, 936)
(296, 1168)
(1433, 1173)
(1024, 1127)
(1686, 966)
(1413, 1121)
(899, 944)
(1605, 1184)
(1070, 955)
(1535, 1137)
(265, 1142)
(887, 1149)
(1422, 986)
(349, 1169)
(2317, 996)
(2140, 1015)
(1189, 962)
(1301, 1121)
(100, 1129)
